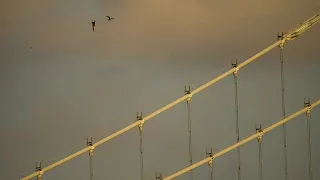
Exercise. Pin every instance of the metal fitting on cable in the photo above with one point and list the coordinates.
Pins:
(188, 91)
(280, 37)
(308, 104)
(139, 118)
(90, 143)
(159, 177)
(40, 175)
(91, 151)
(259, 129)
(39, 170)
(210, 154)
(235, 67)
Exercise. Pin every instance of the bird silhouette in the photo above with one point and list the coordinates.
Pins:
(93, 23)
(109, 18)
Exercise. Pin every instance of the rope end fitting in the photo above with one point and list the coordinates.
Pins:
(188, 91)
(140, 118)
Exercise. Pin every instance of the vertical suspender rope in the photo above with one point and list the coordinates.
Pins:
(141, 155)
(139, 118)
(259, 138)
(210, 163)
(235, 75)
(308, 114)
(90, 143)
(91, 168)
(283, 111)
(260, 161)
(189, 129)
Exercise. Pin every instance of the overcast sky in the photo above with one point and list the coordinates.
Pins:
(61, 83)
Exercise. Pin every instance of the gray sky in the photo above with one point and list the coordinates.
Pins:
(75, 84)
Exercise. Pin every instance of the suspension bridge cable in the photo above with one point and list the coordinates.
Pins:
(89, 144)
(259, 138)
(211, 164)
(235, 77)
(308, 114)
(91, 168)
(242, 142)
(139, 118)
(283, 111)
(212, 171)
(108, 138)
(187, 92)
(141, 156)
(291, 35)
(260, 161)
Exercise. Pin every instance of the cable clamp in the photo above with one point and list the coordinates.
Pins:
(308, 104)
(280, 37)
(39, 170)
(210, 154)
(260, 131)
(235, 68)
(90, 143)
(40, 174)
(140, 118)
(188, 91)
(91, 150)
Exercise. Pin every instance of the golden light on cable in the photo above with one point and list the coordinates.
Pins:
(292, 34)
(258, 134)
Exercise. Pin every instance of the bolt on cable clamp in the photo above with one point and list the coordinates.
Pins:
(91, 150)
(260, 137)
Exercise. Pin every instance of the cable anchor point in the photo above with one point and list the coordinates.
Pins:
(308, 104)
(159, 177)
(234, 64)
(90, 143)
(259, 130)
(210, 154)
(39, 170)
(140, 118)
(188, 91)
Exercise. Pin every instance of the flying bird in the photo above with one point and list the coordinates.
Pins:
(109, 18)
(93, 23)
